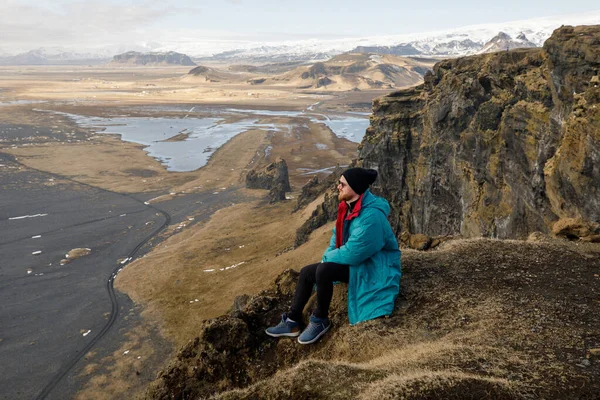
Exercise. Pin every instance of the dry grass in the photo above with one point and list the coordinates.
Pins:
(480, 319)
(170, 279)
(337, 380)
(141, 85)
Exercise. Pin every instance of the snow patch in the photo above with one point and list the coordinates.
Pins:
(28, 216)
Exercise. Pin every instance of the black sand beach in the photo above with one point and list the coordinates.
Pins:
(51, 313)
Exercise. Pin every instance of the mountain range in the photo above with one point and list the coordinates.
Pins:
(457, 42)
(441, 44)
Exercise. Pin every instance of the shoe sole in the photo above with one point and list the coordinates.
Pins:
(316, 337)
(291, 334)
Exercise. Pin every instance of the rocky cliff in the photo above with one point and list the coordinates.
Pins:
(497, 145)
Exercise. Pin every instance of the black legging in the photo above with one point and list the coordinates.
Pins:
(323, 275)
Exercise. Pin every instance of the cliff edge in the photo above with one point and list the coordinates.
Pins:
(477, 318)
(498, 145)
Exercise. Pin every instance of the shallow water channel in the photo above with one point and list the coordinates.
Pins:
(186, 143)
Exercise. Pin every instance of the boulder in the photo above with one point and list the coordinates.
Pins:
(576, 228)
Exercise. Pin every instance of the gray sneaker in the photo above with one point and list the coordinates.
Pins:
(315, 329)
(284, 328)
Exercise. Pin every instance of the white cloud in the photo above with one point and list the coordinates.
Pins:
(81, 23)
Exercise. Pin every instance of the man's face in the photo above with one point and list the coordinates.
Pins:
(345, 191)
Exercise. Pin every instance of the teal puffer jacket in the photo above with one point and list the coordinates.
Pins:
(371, 250)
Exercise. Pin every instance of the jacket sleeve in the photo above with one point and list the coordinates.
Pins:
(331, 244)
(364, 241)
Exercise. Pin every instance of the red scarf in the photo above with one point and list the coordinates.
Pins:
(339, 223)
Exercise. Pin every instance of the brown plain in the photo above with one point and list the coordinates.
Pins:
(171, 275)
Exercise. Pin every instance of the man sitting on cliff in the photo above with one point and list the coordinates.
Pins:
(363, 252)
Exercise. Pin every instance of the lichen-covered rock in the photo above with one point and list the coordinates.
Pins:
(497, 145)
(418, 241)
(273, 174)
(310, 191)
(576, 228)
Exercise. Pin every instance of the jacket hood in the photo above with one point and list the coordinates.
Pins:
(372, 201)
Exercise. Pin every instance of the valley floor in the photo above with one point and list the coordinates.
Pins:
(47, 158)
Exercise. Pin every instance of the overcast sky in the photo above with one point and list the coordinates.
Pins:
(28, 24)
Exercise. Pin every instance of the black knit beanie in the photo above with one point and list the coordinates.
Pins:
(360, 179)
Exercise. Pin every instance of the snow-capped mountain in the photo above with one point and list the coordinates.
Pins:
(449, 43)
(503, 41)
(272, 54)
(453, 47)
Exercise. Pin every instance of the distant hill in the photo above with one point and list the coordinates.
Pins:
(349, 71)
(44, 56)
(355, 71)
(152, 59)
(209, 74)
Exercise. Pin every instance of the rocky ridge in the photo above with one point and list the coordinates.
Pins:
(360, 71)
(148, 59)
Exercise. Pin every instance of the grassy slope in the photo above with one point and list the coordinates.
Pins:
(477, 319)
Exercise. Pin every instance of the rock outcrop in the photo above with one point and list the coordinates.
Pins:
(274, 178)
(497, 145)
(315, 187)
(460, 331)
(150, 59)
(324, 212)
